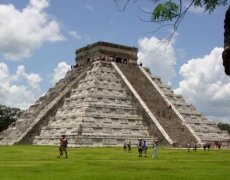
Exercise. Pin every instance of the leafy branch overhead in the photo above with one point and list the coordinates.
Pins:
(171, 13)
(169, 10)
(165, 11)
(172, 9)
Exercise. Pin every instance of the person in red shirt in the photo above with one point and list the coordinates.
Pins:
(63, 146)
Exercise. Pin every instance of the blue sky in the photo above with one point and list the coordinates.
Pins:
(38, 39)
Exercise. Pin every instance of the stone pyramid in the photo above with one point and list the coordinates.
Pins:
(106, 99)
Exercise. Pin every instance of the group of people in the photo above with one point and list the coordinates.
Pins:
(83, 62)
(127, 147)
(143, 147)
(205, 146)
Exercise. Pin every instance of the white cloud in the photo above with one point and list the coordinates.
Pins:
(75, 34)
(34, 80)
(39, 4)
(159, 58)
(21, 32)
(20, 89)
(60, 71)
(206, 86)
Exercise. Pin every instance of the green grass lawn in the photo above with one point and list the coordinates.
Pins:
(40, 162)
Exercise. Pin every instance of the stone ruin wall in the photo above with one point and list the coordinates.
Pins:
(107, 52)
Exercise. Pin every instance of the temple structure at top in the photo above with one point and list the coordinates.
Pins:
(106, 52)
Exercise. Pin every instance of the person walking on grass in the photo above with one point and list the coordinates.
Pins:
(145, 148)
(140, 147)
(155, 146)
(63, 146)
(129, 147)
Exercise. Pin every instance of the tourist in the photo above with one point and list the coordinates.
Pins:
(140, 147)
(158, 113)
(145, 148)
(155, 146)
(219, 145)
(125, 146)
(129, 147)
(204, 146)
(208, 146)
(63, 146)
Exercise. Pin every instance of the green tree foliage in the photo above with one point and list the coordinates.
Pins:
(169, 10)
(209, 5)
(165, 11)
(7, 116)
(224, 126)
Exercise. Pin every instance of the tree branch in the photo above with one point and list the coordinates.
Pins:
(124, 7)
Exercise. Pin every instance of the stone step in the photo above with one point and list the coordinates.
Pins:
(114, 105)
(156, 102)
(107, 116)
(74, 141)
(101, 115)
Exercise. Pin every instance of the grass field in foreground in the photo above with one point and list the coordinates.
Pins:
(40, 162)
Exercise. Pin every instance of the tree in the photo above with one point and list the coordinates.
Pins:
(172, 12)
(224, 126)
(7, 116)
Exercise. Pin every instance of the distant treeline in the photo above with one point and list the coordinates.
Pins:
(224, 126)
(8, 115)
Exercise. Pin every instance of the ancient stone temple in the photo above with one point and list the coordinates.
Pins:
(106, 99)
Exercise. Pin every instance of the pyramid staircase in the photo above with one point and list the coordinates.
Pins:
(97, 113)
(180, 120)
(204, 130)
(107, 100)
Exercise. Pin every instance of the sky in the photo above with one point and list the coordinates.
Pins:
(38, 40)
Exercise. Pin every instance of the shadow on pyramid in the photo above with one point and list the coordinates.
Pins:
(106, 99)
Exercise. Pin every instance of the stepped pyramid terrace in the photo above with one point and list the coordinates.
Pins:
(106, 99)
